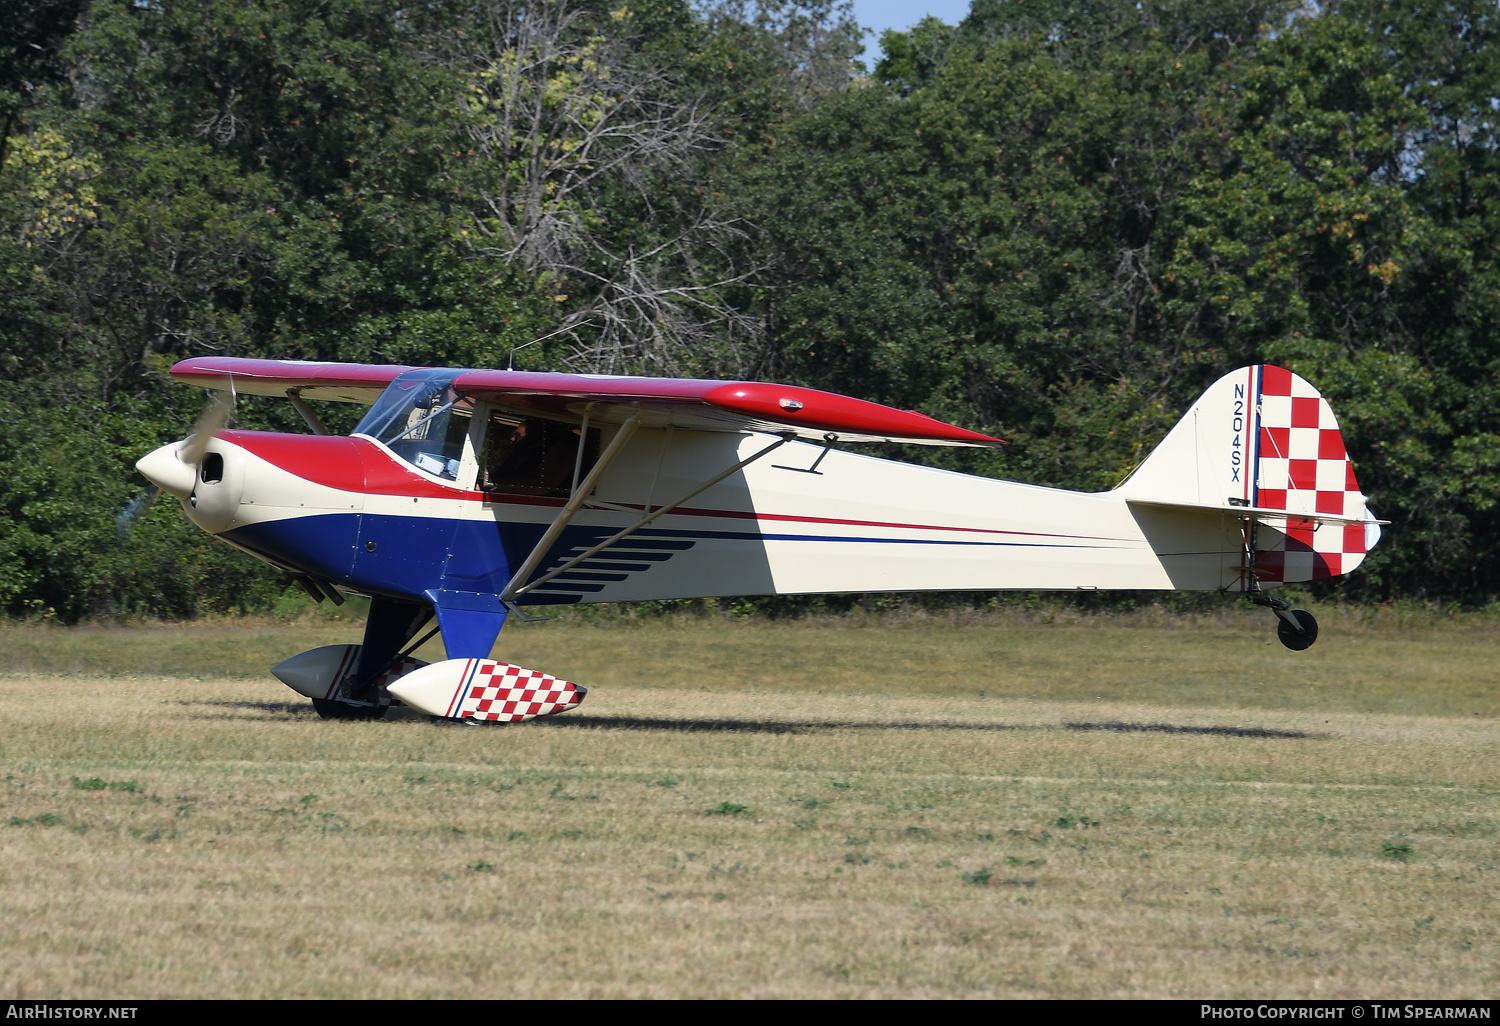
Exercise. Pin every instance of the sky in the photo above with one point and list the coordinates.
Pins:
(879, 15)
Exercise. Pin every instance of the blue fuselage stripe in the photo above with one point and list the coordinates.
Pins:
(405, 557)
(760, 536)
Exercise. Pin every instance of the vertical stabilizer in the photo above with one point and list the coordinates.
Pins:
(1263, 444)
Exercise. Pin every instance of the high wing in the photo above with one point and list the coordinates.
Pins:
(695, 404)
(336, 382)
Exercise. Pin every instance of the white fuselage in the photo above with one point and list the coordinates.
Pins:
(856, 524)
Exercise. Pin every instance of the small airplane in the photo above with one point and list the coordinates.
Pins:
(470, 495)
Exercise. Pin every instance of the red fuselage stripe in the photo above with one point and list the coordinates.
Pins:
(384, 474)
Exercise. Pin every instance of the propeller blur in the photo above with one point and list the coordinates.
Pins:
(174, 467)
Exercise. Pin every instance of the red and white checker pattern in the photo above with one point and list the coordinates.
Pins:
(507, 693)
(1300, 550)
(1303, 468)
(398, 670)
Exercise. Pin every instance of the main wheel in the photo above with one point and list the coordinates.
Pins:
(1289, 636)
(330, 710)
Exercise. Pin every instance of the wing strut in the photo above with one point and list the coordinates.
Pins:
(300, 405)
(512, 592)
(574, 504)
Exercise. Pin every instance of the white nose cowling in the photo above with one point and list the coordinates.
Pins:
(164, 468)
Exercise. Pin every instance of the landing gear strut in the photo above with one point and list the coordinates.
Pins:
(347, 682)
(1296, 629)
(329, 709)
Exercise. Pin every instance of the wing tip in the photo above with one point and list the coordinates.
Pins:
(816, 410)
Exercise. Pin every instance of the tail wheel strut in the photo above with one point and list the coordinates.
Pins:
(1296, 629)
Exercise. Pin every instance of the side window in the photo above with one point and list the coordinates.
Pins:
(530, 456)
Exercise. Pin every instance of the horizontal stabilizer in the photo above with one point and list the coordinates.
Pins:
(1264, 514)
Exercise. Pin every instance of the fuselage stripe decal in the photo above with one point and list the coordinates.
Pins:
(820, 520)
(789, 518)
(761, 536)
(339, 675)
(470, 666)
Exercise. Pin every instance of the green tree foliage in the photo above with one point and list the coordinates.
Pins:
(1057, 221)
(992, 247)
(31, 37)
(909, 59)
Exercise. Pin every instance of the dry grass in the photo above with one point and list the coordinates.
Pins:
(1365, 661)
(899, 834)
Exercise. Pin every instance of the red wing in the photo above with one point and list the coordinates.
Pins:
(688, 403)
(340, 382)
(704, 405)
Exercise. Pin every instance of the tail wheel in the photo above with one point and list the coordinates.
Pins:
(330, 710)
(1289, 636)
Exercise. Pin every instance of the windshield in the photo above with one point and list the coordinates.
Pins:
(422, 420)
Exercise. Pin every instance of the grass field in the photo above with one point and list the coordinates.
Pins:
(1142, 806)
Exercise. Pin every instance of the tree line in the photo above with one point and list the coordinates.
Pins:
(1056, 221)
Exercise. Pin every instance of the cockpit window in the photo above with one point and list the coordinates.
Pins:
(422, 420)
(531, 456)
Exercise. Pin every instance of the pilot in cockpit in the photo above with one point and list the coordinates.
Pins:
(431, 434)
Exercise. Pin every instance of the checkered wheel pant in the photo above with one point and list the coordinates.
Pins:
(502, 692)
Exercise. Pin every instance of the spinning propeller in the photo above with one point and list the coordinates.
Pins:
(175, 466)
